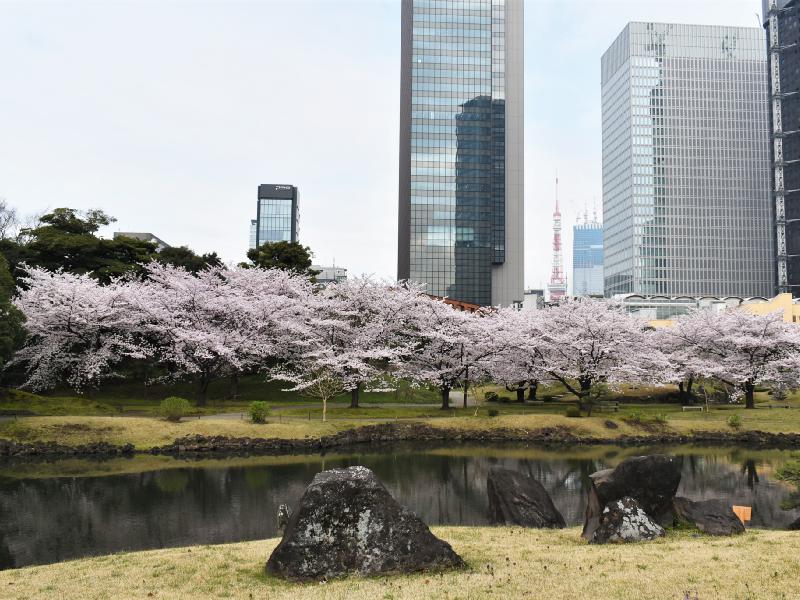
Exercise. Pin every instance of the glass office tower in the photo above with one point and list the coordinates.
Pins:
(461, 149)
(686, 205)
(277, 215)
(587, 258)
(782, 23)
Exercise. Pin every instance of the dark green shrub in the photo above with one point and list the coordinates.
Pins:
(493, 412)
(173, 408)
(491, 397)
(573, 412)
(258, 411)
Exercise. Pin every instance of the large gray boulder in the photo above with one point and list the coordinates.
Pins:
(713, 517)
(347, 523)
(623, 521)
(516, 499)
(794, 525)
(650, 480)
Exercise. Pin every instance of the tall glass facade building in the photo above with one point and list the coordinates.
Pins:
(587, 258)
(782, 23)
(277, 215)
(461, 149)
(686, 203)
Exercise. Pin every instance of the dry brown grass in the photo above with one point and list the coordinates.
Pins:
(504, 563)
(145, 432)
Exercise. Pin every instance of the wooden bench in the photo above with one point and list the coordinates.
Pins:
(608, 406)
(685, 408)
(777, 406)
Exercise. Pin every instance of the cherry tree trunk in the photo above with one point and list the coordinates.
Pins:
(445, 398)
(749, 395)
(354, 396)
(520, 394)
(202, 390)
(534, 386)
(233, 387)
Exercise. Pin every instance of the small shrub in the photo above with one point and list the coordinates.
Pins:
(573, 412)
(493, 412)
(659, 419)
(735, 422)
(610, 424)
(635, 418)
(173, 408)
(491, 397)
(258, 411)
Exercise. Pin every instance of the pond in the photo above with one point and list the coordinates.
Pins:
(54, 511)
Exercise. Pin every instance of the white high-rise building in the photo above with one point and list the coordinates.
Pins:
(686, 198)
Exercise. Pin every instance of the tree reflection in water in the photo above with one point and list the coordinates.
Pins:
(46, 519)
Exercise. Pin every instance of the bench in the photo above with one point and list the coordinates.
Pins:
(685, 408)
(777, 406)
(608, 406)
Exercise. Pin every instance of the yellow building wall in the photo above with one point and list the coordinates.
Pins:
(781, 302)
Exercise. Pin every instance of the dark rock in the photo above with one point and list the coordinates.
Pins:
(284, 515)
(516, 499)
(713, 517)
(624, 521)
(611, 424)
(795, 526)
(347, 522)
(650, 480)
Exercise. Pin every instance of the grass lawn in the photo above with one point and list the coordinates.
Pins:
(503, 563)
(146, 432)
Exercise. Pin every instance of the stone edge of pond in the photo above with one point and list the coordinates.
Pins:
(391, 432)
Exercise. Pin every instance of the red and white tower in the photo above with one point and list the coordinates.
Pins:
(558, 283)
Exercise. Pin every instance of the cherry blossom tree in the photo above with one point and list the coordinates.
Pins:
(590, 341)
(517, 362)
(740, 349)
(351, 339)
(77, 330)
(451, 347)
(215, 323)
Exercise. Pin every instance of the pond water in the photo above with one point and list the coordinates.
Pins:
(55, 511)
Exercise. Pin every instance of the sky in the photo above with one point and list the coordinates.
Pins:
(168, 114)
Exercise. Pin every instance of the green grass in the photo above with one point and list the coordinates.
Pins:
(503, 563)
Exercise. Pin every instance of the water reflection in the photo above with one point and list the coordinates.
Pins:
(46, 519)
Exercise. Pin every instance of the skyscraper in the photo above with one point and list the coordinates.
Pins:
(587, 257)
(782, 22)
(277, 215)
(686, 206)
(461, 149)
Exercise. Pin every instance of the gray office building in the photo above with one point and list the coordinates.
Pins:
(686, 163)
(782, 24)
(277, 215)
(461, 149)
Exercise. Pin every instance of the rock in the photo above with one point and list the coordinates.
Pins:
(624, 521)
(713, 517)
(347, 522)
(284, 515)
(610, 424)
(795, 525)
(516, 499)
(650, 480)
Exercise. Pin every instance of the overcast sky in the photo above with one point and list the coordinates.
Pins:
(169, 114)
